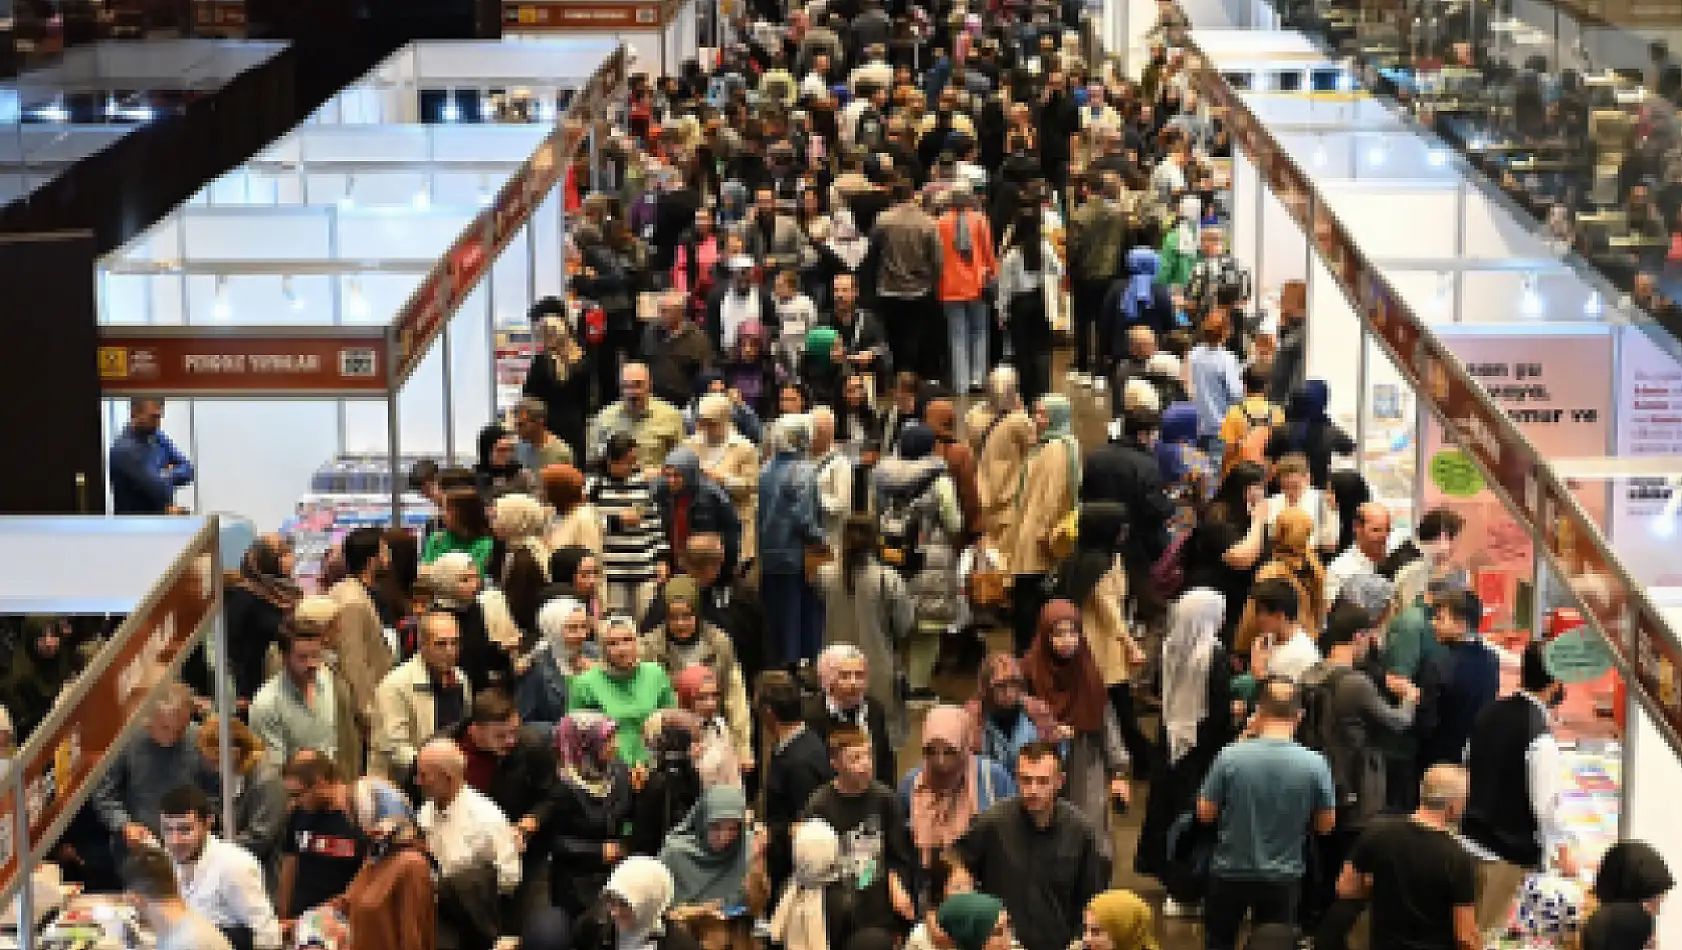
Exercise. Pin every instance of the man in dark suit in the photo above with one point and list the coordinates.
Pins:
(844, 675)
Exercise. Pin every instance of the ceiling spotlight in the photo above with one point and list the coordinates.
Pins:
(451, 112)
(1436, 158)
(422, 200)
(1530, 304)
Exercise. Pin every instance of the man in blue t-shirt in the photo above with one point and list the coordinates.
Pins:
(1262, 793)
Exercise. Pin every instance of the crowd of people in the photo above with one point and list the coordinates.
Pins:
(646, 677)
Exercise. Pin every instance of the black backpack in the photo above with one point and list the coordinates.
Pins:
(1319, 686)
(900, 530)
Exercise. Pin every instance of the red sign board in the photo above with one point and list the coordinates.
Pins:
(455, 276)
(59, 763)
(133, 361)
(219, 15)
(575, 17)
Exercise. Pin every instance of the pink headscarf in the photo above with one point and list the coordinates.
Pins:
(688, 682)
(939, 816)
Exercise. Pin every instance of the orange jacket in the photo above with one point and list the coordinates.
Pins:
(961, 279)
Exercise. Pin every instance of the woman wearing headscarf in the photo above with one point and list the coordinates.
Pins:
(520, 560)
(816, 911)
(687, 764)
(633, 911)
(1027, 268)
(865, 605)
(1004, 717)
(624, 687)
(1095, 579)
(576, 522)
(498, 471)
(729, 460)
(1197, 720)
(1292, 560)
(944, 792)
(1118, 920)
(1061, 671)
(253, 604)
(1179, 460)
(708, 853)
(1309, 430)
(561, 653)
(592, 803)
(917, 508)
(822, 365)
(1140, 300)
(683, 640)
(1179, 245)
(941, 415)
(392, 902)
(699, 697)
(692, 503)
(1049, 485)
(1002, 434)
(790, 525)
(560, 375)
(576, 572)
(488, 636)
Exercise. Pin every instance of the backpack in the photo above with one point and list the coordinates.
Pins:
(900, 524)
(1315, 729)
(1252, 445)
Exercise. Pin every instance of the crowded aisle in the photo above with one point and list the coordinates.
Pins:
(911, 489)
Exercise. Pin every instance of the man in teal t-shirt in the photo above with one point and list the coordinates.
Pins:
(1262, 793)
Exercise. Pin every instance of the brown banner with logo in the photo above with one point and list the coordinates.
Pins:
(181, 363)
(57, 764)
(455, 276)
(573, 16)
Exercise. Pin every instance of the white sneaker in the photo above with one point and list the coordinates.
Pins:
(1173, 908)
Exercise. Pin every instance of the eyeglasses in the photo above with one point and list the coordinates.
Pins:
(939, 752)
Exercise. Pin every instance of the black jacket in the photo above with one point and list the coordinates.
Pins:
(568, 400)
(584, 824)
(792, 775)
(819, 721)
(730, 607)
(1127, 474)
(524, 782)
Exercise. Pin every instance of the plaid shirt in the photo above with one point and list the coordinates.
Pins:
(1212, 273)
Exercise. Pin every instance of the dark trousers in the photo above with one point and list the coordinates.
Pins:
(916, 330)
(793, 610)
(1092, 326)
(1030, 338)
(1139, 749)
(1229, 901)
(1027, 599)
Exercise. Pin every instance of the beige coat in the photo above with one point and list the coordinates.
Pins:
(1046, 497)
(998, 473)
(1105, 625)
(735, 467)
(581, 527)
(405, 717)
(719, 654)
(364, 655)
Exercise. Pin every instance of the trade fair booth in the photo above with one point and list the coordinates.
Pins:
(660, 34)
(1494, 375)
(164, 617)
(291, 306)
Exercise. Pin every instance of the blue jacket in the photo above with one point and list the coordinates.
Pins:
(1001, 746)
(788, 514)
(138, 483)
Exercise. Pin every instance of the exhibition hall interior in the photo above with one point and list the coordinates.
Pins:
(822, 474)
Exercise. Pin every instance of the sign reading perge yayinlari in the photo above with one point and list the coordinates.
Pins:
(177, 362)
(56, 766)
(573, 16)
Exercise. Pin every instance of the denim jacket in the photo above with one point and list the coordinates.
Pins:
(789, 519)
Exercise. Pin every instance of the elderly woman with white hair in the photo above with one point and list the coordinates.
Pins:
(1002, 435)
(729, 460)
(790, 525)
(844, 676)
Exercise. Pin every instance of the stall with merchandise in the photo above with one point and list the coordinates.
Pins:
(165, 615)
(291, 307)
(1498, 377)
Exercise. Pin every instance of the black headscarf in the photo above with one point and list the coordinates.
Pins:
(1631, 872)
(1103, 532)
(1618, 927)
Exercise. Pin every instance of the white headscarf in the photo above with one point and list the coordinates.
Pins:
(799, 920)
(1191, 218)
(524, 520)
(1194, 626)
(455, 577)
(645, 884)
(552, 620)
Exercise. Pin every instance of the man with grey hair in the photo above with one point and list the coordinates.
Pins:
(420, 698)
(675, 350)
(655, 425)
(157, 760)
(1418, 879)
(844, 677)
(538, 446)
(464, 830)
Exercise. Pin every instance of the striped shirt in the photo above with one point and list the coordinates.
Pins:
(628, 554)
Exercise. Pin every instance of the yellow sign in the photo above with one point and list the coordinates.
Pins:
(113, 362)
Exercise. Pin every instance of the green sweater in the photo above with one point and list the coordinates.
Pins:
(1176, 266)
(627, 700)
(1409, 640)
(440, 543)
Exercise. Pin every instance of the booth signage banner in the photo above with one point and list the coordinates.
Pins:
(444, 290)
(1577, 656)
(1658, 665)
(133, 664)
(134, 362)
(1649, 425)
(572, 16)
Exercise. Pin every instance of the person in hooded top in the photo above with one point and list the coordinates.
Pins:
(632, 912)
(708, 854)
(624, 687)
(1050, 486)
(1179, 461)
(692, 503)
(729, 460)
(592, 804)
(498, 472)
(915, 491)
(1061, 671)
(1118, 920)
(1141, 300)
(1309, 430)
(42, 664)
(684, 640)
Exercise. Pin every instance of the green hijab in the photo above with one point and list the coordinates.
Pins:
(969, 919)
(699, 873)
(820, 343)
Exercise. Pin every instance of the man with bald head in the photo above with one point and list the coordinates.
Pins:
(1414, 873)
(1372, 541)
(654, 423)
(464, 830)
(1097, 237)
